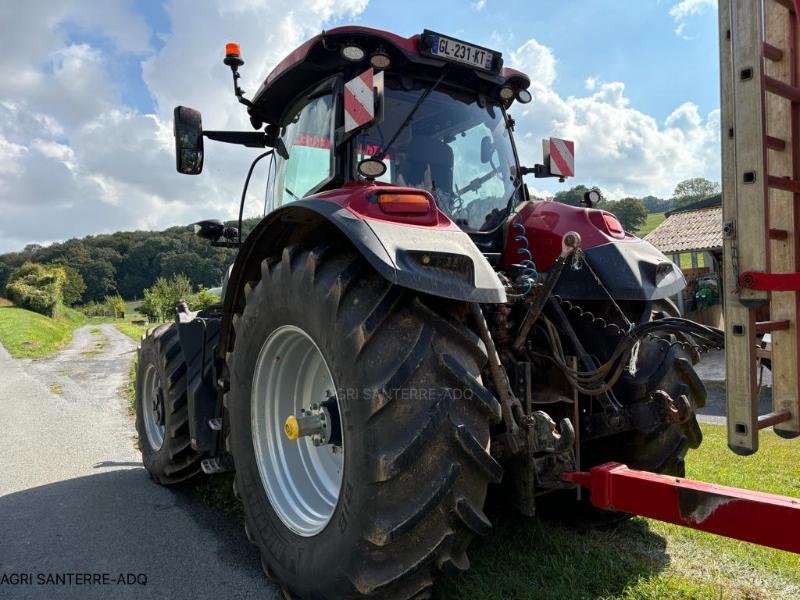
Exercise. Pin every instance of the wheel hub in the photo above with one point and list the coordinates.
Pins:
(297, 437)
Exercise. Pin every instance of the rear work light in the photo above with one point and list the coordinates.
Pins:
(406, 203)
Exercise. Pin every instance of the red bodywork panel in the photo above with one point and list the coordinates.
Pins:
(546, 223)
(360, 198)
(409, 44)
(765, 519)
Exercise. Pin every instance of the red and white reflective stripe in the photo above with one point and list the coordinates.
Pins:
(562, 157)
(359, 101)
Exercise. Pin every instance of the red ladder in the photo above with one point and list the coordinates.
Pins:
(760, 69)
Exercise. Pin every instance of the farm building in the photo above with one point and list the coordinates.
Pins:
(692, 237)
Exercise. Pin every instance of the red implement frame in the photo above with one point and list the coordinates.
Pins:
(756, 517)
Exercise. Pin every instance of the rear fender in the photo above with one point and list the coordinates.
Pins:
(434, 260)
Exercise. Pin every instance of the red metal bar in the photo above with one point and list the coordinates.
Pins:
(781, 88)
(765, 519)
(774, 143)
(783, 183)
(767, 326)
(778, 234)
(772, 282)
(773, 53)
(773, 418)
(787, 3)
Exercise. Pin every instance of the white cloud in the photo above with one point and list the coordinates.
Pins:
(537, 61)
(618, 148)
(479, 5)
(682, 10)
(74, 160)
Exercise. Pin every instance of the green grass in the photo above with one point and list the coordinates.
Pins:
(641, 559)
(27, 334)
(129, 389)
(130, 308)
(126, 325)
(653, 221)
(133, 331)
(96, 349)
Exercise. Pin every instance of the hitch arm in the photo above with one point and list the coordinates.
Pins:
(756, 517)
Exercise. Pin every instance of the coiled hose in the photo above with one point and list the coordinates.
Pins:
(529, 276)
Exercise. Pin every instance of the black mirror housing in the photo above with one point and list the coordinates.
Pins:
(487, 149)
(210, 229)
(188, 129)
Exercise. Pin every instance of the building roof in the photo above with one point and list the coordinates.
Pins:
(713, 200)
(687, 230)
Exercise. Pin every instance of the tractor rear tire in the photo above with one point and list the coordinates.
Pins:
(415, 427)
(162, 419)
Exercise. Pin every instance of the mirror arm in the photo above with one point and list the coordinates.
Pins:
(539, 171)
(251, 139)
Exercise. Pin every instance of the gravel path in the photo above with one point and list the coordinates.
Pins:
(711, 370)
(78, 511)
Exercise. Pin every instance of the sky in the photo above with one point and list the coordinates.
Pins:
(87, 91)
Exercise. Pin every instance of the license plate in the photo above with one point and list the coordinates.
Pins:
(460, 52)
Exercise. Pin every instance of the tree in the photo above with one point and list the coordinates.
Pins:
(37, 287)
(655, 205)
(116, 306)
(693, 190)
(572, 196)
(74, 285)
(160, 299)
(630, 212)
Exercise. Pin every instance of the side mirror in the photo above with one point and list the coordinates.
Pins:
(188, 126)
(487, 149)
(214, 229)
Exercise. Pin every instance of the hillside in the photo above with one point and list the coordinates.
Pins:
(27, 334)
(126, 262)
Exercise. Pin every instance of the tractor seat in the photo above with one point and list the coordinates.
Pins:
(424, 153)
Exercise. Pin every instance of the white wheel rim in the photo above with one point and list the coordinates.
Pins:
(153, 407)
(302, 481)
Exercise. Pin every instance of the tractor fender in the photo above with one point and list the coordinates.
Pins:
(436, 261)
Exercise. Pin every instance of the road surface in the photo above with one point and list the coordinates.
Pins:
(79, 517)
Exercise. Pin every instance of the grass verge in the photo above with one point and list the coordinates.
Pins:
(26, 334)
(132, 330)
(641, 558)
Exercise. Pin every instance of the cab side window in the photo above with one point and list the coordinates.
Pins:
(308, 138)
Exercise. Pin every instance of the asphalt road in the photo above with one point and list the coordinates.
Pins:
(79, 517)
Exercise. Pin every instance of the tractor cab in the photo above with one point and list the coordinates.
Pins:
(426, 112)
(360, 106)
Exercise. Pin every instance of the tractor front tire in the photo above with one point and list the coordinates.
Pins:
(162, 420)
(414, 421)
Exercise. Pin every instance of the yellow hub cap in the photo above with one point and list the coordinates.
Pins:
(292, 428)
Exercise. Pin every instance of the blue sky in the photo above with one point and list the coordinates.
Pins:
(613, 40)
(623, 40)
(87, 90)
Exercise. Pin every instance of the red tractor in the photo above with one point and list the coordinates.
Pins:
(406, 325)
